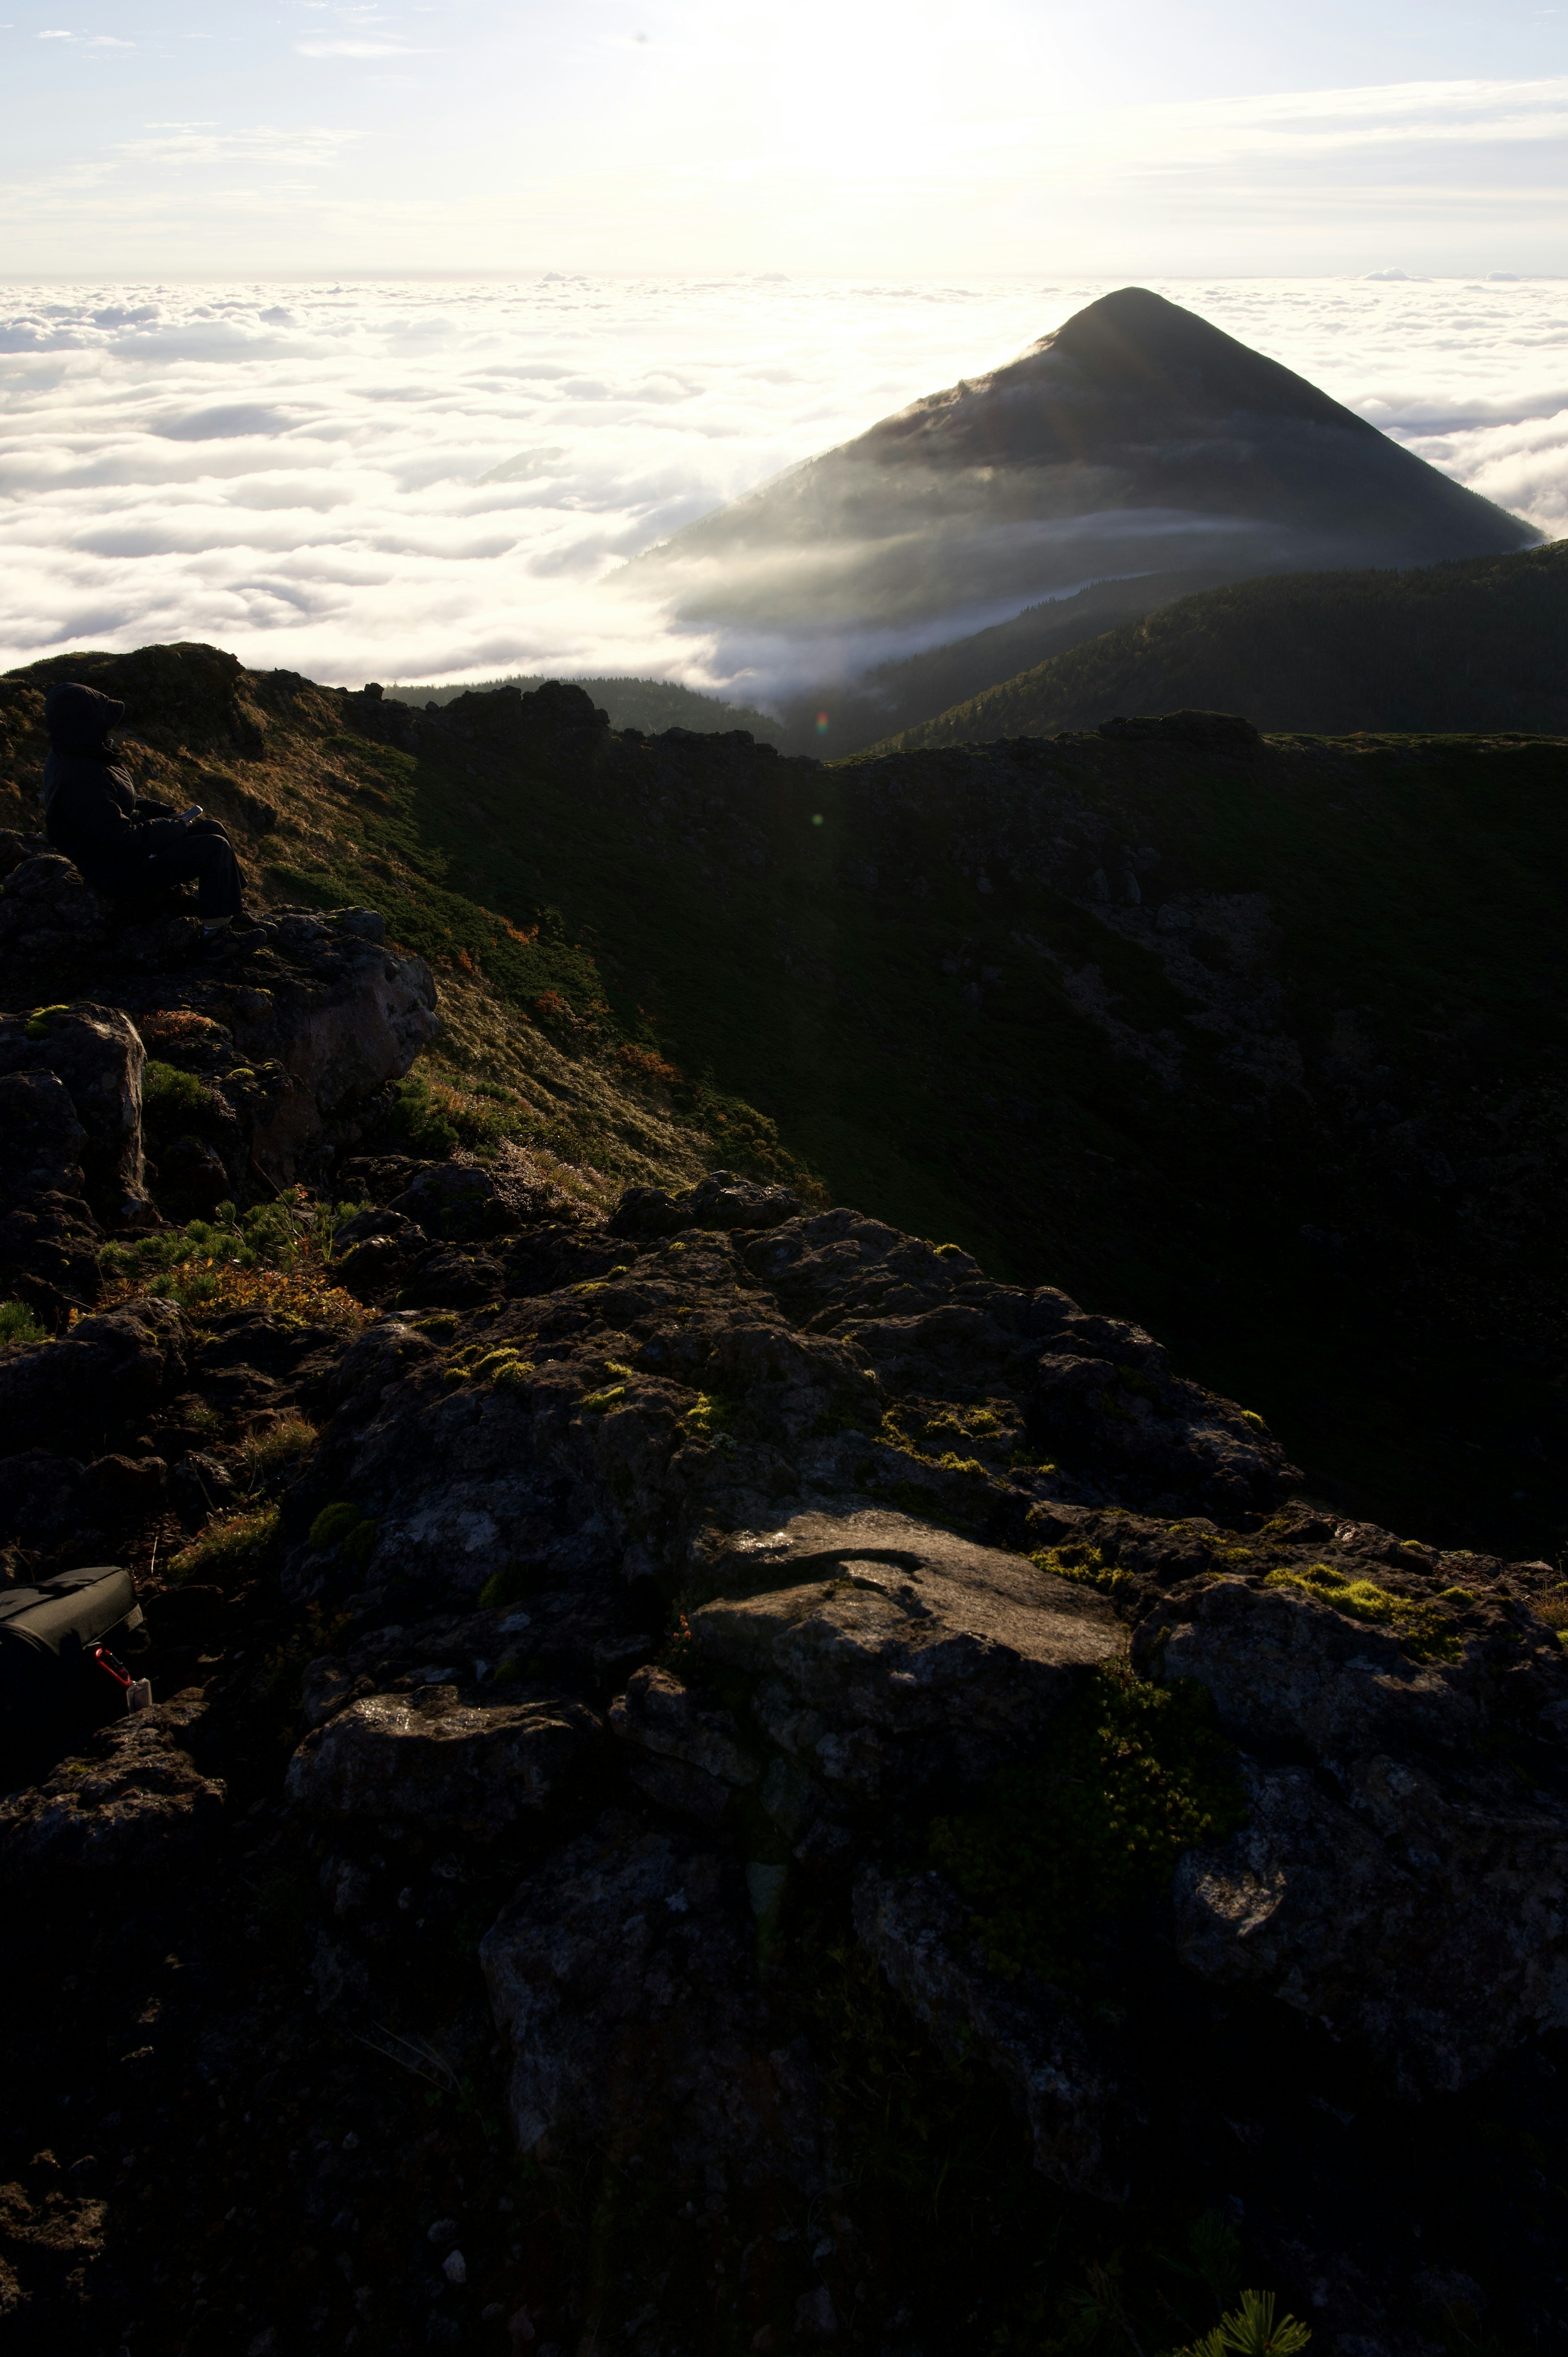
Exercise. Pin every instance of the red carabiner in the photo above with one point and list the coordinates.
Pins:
(111, 1665)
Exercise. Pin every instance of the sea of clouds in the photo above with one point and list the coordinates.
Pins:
(426, 481)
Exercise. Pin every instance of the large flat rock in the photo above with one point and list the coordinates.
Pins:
(884, 1645)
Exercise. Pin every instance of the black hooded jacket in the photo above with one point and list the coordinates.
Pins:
(93, 811)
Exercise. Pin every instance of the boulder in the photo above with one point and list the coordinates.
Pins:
(1395, 1879)
(887, 1649)
(456, 1201)
(432, 1759)
(42, 1137)
(49, 1246)
(1428, 1924)
(134, 1797)
(340, 1013)
(97, 1054)
(1082, 2124)
(686, 1751)
(623, 1977)
(45, 908)
(41, 1501)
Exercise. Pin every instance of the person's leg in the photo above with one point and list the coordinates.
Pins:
(204, 852)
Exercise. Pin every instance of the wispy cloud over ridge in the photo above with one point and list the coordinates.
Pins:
(397, 481)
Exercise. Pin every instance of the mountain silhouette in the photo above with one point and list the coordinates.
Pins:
(1136, 438)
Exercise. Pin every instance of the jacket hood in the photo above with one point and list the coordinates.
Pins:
(79, 718)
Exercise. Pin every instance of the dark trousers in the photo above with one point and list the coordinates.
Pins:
(204, 850)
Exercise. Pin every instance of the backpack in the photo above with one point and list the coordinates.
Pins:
(54, 1661)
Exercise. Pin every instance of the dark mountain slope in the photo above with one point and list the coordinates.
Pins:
(1481, 645)
(1136, 438)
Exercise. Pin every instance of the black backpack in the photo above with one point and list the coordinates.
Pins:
(53, 1660)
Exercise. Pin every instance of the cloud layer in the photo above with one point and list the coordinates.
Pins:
(410, 482)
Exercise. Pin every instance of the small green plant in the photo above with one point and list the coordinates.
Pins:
(38, 1021)
(1057, 1849)
(508, 1585)
(1250, 2331)
(597, 1403)
(18, 1324)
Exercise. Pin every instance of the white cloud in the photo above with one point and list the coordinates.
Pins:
(352, 49)
(398, 481)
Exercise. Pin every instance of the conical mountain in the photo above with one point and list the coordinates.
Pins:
(1137, 438)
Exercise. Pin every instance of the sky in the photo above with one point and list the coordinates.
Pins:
(371, 341)
(408, 480)
(301, 138)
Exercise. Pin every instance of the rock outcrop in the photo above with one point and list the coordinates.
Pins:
(1404, 1872)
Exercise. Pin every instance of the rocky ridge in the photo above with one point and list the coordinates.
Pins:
(574, 1633)
(898, 1513)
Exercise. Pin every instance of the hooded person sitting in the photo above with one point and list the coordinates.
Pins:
(123, 843)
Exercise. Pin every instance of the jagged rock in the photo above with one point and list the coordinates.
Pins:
(97, 1053)
(107, 1373)
(134, 1797)
(1096, 1390)
(454, 1201)
(441, 1764)
(658, 1714)
(1081, 2122)
(623, 1977)
(1426, 1922)
(888, 1650)
(718, 1200)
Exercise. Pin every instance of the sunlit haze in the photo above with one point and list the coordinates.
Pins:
(673, 135)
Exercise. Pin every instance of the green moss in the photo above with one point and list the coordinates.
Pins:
(1059, 1849)
(1086, 1564)
(596, 1402)
(1423, 1631)
(37, 1023)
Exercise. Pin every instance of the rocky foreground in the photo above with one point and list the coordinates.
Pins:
(676, 1735)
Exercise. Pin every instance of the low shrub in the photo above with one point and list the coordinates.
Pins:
(275, 1257)
(267, 1458)
(230, 1546)
(18, 1324)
